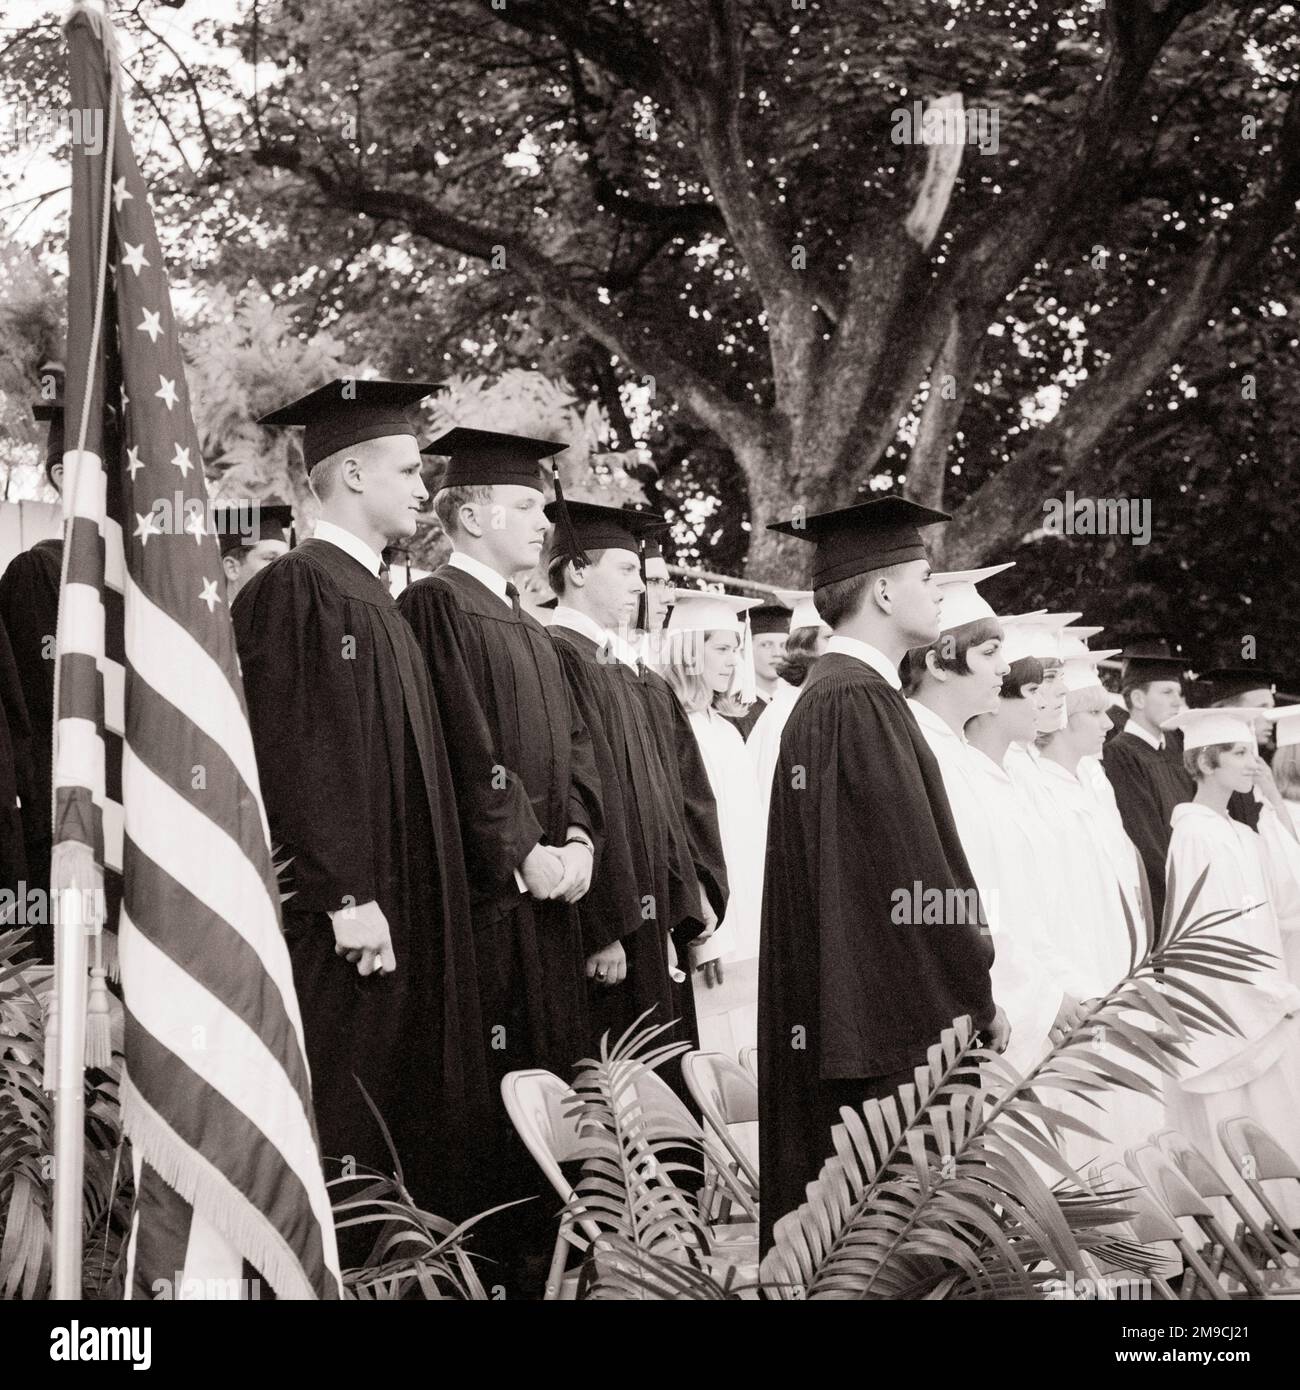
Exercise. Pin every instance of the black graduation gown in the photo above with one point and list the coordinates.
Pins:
(848, 999)
(358, 792)
(691, 791)
(637, 896)
(1148, 784)
(29, 610)
(15, 738)
(530, 954)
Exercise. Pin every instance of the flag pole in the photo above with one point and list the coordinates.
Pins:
(73, 880)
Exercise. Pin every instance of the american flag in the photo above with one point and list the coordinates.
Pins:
(154, 772)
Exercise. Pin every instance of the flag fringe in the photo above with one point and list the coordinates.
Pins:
(198, 1182)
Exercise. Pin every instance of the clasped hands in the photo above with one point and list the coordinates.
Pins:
(557, 871)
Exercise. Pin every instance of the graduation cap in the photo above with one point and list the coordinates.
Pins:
(244, 522)
(1229, 682)
(869, 536)
(1286, 725)
(698, 610)
(1035, 634)
(596, 527)
(962, 601)
(803, 611)
(1080, 672)
(488, 458)
(769, 617)
(1151, 657)
(347, 411)
(1203, 727)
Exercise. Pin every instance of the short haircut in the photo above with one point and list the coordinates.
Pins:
(1027, 670)
(1286, 771)
(324, 475)
(950, 649)
(837, 601)
(1213, 755)
(448, 501)
(1128, 690)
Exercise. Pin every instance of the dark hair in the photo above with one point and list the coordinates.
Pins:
(949, 650)
(1028, 670)
(794, 669)
(1213, 755)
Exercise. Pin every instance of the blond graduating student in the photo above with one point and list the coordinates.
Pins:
(707, 658)
(1254, 1071)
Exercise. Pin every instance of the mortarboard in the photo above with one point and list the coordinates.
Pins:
(962, 601)
(1286, 725)
(348, 411)
(244, 522)
(1203, 727)
(1080, 672)
(486, 458)
(803, 611)
(1151, 656)
(1227, 682)
(1035, 634)
(595, 527)
(869, 536)
(769, 617)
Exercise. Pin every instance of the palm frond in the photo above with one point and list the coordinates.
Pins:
(931, 1193)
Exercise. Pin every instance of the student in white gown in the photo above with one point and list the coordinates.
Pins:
(1101, 874)
(1286, 777)
(949, 683)
(706, 656)
(1257, 1071)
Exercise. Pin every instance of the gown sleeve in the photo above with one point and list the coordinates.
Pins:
(308, 732)
(497, 824)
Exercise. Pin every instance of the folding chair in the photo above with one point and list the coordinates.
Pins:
(1259, 1158)
(749, 1060)
(535, 1101)
(1183, 1202)
(1210, 1183)
(1150, 1224)
(726, 1095)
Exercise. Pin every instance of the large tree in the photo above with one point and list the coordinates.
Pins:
(708, 202)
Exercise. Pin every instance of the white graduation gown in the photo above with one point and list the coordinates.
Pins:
(1100, 872)
(728, 1013)
(1258, 1072)
(1283, 852)
(764, 743)
(1022, 984)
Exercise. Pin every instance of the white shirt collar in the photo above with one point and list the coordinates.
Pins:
(485, 574)
(865, 652)
(1133, 727)
(936, 723)
(589, 627)
(349, 543)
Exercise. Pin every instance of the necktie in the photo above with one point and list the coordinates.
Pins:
(513, 595)
(385, 576)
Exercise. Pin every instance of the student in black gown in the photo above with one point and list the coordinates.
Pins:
(851, 991)
(645, 905)
(251, 534)
(1143, 763)
(29, 610)
(15, 739)
(532, 966)
(769, 627)
(358, 786)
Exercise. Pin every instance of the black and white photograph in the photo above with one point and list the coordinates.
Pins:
(649, 651)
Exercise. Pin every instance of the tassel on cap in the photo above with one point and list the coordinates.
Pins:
(571, 544)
